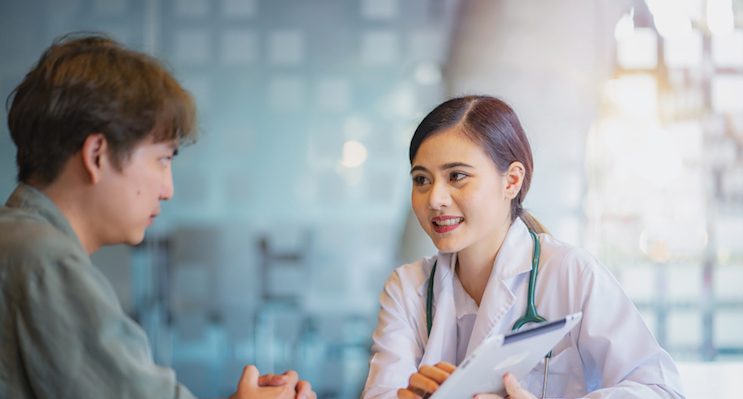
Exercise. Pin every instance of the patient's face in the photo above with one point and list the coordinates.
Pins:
(135, 191)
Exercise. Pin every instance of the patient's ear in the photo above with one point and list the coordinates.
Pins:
(514, 179)
(95, 156)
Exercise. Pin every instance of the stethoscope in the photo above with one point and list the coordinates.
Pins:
(530, 316)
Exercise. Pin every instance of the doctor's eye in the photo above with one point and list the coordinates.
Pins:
(420, 180)
(457, 176)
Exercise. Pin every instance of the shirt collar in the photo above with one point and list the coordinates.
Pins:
(515, 254)
(463, 302)
(34, 201)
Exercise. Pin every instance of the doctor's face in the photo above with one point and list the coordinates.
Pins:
(458, 195)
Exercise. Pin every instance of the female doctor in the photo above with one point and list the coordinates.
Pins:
(471, 169)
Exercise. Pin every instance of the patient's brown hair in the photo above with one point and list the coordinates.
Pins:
(92, 84)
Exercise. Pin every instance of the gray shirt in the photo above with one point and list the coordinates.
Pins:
(63, 333)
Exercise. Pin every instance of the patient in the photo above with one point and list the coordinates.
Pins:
(96, 128)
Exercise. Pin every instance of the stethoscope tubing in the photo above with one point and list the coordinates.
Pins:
(530, 316)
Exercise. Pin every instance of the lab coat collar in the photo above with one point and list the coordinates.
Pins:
(513, 259)
(514, 256)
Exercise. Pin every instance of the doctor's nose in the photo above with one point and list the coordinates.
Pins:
(439, 197)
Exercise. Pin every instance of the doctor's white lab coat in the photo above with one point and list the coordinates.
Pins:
(610, 354)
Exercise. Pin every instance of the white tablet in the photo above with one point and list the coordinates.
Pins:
(482, 371)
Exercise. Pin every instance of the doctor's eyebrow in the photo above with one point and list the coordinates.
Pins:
(452, 165)
(418, 167)
(445, 166)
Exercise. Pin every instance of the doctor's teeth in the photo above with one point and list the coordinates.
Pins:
(448, 222)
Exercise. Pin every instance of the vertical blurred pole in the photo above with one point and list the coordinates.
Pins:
(151, 27)
(707, 301)
(662, 303)
(709, 259)
(549, 61)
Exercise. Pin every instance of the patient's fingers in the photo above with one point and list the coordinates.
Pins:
(272, 380)
(446, 366)
(435, 373)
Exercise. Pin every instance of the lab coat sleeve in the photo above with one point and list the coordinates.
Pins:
(75, 340)
(615, 344)
(396, 347)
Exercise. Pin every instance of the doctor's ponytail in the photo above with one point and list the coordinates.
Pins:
(532, 223)
(493, 125)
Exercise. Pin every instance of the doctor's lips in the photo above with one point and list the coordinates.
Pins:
(445, 224)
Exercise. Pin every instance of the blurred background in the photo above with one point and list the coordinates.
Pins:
(293, 208)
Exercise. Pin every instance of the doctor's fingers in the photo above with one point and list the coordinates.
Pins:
(513, 388)
(407, 394)
(422, 383)
(434, 373)
(446, 366)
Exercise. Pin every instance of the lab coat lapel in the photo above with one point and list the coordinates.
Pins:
(444, 328)
(513, 259)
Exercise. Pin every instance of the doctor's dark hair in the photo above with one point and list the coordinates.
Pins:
(492, 124)
(85, 84)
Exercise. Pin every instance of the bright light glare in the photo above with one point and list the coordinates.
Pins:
(638, 50)
(655, 248)
(720, 17)
(625, 26)
(654, 158)
(356, 126)
(354, 154)
(427, 73)
(635, 95)
(670, 19)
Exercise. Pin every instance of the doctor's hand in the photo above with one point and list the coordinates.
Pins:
(285, 386)
(426, 381)
(513, 389)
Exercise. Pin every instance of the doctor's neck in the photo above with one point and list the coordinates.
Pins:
(475, 263)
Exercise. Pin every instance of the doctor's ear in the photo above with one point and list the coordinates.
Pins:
(95, 155)
(514, 179)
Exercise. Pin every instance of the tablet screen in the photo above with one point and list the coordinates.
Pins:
(517, 353)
